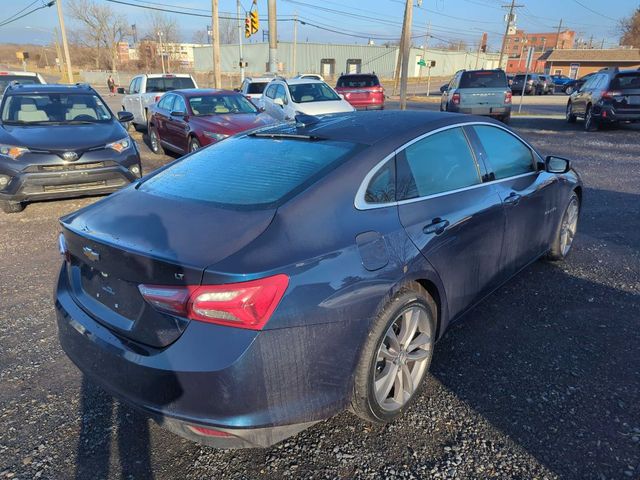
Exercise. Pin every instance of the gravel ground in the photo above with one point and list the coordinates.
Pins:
(542, 380)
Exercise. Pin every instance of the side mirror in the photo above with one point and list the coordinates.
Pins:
(125, 116)
(178, 114)
(557, 164)
(444, 88)
(260, 109)
(341, 96)
(278, 101)
(121, 91)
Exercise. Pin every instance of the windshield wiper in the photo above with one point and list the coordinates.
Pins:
(294, 136)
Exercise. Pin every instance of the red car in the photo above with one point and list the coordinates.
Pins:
(185, 120)
(362, 90)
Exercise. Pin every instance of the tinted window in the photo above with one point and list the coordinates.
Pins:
(249, 171)
(626, 81)
(507, 155)
(382, 187)
(483, 79)
(166, 102)
(22, 79)
(439, 163)
(358, 81)
(257, 87)
(312, 92)
(166, 84)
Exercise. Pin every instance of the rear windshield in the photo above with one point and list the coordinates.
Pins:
(257, 87)
(483, 79)
(166, 84)
(519, 78)
(23, 79)
(624, 81)
(358, 81)
(249, 171)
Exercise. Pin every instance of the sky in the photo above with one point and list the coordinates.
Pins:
(352, 21)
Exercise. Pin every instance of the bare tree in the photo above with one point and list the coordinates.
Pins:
(101, 29)
(158, 22)
(200, 36)
(631, 30)
(228, 31)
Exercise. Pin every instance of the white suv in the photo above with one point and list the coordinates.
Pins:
(284, 99)
(252, 88)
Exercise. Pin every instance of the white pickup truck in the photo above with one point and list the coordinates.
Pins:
(145, 90)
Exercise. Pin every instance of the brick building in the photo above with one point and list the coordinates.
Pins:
(518, 42)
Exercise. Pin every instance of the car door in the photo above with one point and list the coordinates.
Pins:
(528, 194)
(131, 103)
(161, 116)
(455, 219)
(177, 127)
(583, 96)
(446, 95)
(267, 99)
(281, 112)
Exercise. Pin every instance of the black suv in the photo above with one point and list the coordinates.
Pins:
(608, 96)
(61, 141)
(534, 86)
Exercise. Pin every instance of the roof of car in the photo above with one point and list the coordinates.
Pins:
(166, 75)
(298, 81)
(260, 79)
(49, 88)
(371, 127)
(22, 74)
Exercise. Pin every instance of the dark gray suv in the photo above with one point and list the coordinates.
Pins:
(478, 92)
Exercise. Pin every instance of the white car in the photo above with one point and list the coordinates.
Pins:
(25, 78)
(284, 99)
(252, 87)
(313, 76)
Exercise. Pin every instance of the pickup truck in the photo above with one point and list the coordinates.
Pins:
(145, 90)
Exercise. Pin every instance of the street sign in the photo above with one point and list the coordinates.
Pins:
(422, 63)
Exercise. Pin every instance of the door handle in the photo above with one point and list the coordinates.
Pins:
(437, 226)
(512, 199)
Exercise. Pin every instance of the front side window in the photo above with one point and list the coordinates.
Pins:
(281, 94)
(270, 91)
(54, 108)
(132, 86)
(178, 105)
(312, 92)
(439, 163)
(507, 155)
(166, 102)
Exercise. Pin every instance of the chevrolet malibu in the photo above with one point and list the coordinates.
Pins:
(248, 290)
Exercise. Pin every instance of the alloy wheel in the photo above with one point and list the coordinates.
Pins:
(153, 138)
(569, 226)
(193, 145)
(403, 358)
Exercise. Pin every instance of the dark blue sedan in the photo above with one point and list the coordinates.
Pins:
(265, 283)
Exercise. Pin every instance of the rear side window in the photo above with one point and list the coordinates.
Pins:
(438, 163)
(257, 87)
(483, 79)
(249, 171)
(626, 81)
(382, 187)
(507, 155)
(358, 81)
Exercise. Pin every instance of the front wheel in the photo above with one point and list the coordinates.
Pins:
(590, 123)
(396, 356)
(194, 144)
(11, 207)
(568, 90)
(154, 141)
(563, 240)
(570, 116)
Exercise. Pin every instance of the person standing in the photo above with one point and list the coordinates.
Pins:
(111, 84)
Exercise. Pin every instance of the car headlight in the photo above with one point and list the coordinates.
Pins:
(120, 145)
(12, 151)
(215, 136)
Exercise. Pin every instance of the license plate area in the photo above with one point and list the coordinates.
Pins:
(118, 295)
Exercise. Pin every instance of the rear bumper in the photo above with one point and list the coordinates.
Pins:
(258, 387)
(501, 111)
(610, 114)
(44, 182)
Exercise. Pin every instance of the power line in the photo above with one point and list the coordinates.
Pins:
(13, 18)
(593, 11)
(18, 13)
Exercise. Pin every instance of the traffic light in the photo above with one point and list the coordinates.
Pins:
(247, 26)
(255, 21)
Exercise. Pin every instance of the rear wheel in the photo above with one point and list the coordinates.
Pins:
(590, 123)
(571, 118)
(396, 356)
(568, 90)
(154, 141)
(11, 207)
(563, 240)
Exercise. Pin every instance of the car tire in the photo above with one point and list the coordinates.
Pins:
(404, 328)
(570, 116)
(11, 207)
(194, 144)
(590, 123)
(565, 233)
(568, 90)
(154, 141)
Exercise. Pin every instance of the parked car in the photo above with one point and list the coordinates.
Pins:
(561, 82)
(145, 90)
(361, 90)
(255, 287)
(185, 120)
(284, 99)
(478, 92)
(609, 96)
(312, 76)
(61, 141)
(547, 84)
(24, 78)
(534, 85)
(575, 85)
(253, 87)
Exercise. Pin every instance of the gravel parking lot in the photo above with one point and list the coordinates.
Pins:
(542, 380)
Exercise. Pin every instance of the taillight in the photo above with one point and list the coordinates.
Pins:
(609, 94)
(157, 97)
(507, 97)
(244, 305)
(209, 432)
(455, 99)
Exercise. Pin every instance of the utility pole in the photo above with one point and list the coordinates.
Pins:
(510, 19)
(273, 36)
(396, 73)
(295, 42)
(238, 9)
(65, 45)
(425, 45)
(558, 35)
(58, 51)
(406, 48)
(161, 51)
(215, 32)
